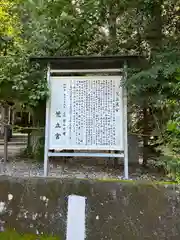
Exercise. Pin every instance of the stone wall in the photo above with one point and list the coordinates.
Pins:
(114, 210)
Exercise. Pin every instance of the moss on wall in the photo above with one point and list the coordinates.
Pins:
(13, 235)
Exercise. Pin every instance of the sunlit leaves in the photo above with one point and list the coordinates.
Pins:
(8, 19)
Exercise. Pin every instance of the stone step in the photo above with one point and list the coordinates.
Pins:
(17, 139)
(14, 143)
(20, 139)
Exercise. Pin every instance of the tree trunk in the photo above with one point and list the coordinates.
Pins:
(38, 124)
(154, 37)
(154, 29)
(112, 25)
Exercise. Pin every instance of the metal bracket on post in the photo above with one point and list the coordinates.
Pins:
(125, 125)
(46, 145)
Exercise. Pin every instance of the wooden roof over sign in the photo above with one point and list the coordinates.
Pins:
(91, 62)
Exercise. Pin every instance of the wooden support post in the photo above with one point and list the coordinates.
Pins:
(5, 143)
(29, 142)
(6, 115)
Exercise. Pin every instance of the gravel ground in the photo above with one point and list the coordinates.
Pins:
(17, 167)
(29, 169)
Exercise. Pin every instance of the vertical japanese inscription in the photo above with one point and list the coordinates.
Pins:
(64, 108)
(58, 125)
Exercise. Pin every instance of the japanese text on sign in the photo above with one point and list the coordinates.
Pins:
(86, 113)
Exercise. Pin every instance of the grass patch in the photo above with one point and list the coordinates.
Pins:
(13, 235)
(114, 180)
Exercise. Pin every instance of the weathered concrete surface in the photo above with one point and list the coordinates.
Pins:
(117, 211)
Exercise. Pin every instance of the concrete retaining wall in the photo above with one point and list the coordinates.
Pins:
(117, 211)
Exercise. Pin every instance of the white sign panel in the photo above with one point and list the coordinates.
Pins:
(86, 113)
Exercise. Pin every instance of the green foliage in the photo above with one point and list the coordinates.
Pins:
(84, 27)
(170, 160)
(171, 165)
(9, 18)
(19, 82)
